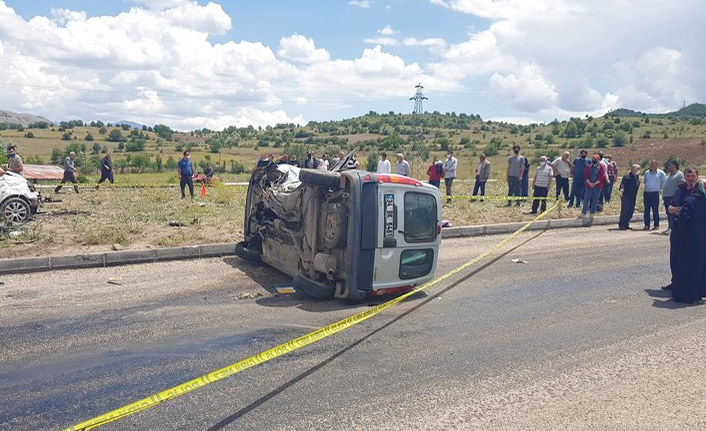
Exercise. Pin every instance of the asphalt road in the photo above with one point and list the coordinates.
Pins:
(579, 337)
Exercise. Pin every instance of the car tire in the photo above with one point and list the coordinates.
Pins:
(313, 289)
(244, 252)
(331, 180)
(15, 211)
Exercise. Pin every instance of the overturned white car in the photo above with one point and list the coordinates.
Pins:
(347, 234)
(18, 199)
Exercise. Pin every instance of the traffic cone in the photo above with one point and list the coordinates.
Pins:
(203, 190)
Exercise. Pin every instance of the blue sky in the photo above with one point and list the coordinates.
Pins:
(197, 64)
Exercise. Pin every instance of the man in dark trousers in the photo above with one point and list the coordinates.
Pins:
(106, 170)
(69, 172)
(628, 195)
(579, 185)
(186, 173)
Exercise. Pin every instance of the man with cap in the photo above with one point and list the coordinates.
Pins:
(69, 173)
(578, 184)
(14, 161)
(542, 182)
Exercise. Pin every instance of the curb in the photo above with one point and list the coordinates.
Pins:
(114, 258)
(127, 257)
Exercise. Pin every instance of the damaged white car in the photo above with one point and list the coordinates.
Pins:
(348, 234)
(18, 199)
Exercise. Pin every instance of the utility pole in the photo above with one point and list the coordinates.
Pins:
(418, 98)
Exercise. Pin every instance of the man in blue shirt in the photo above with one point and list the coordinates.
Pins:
(654, 180)
(578, 185)
(186, 173)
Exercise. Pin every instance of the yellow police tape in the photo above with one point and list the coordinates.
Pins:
(135, 186)
(500, 198)
(285, 348)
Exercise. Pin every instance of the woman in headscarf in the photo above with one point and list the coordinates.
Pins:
(688, 239)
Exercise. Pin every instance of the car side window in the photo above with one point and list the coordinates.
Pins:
(420, 217)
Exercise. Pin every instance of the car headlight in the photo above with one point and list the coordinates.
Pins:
(32, 187)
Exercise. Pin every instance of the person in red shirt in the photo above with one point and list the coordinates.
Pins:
(595, 177)
(434, 172)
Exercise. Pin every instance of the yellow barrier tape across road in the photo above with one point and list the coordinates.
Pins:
(285, 348)
(498, 198)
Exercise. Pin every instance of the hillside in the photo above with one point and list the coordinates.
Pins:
(24, 120)
(695, 110)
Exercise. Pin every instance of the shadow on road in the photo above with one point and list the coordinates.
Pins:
(255, 404)
(673, 305)
(658, 293)
(264, 275)
(270, 279)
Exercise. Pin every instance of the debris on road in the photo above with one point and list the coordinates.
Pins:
(285, 290)
(518, 260)
(115, 280)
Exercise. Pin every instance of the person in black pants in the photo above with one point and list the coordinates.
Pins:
(106, 170)
(186, 173)
(628, 195)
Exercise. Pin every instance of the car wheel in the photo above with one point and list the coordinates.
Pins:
(331, 180)
(15, 211)
(313, 289)
(244, 252)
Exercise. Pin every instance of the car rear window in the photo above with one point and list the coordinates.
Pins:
(420, 217)
(416, 263)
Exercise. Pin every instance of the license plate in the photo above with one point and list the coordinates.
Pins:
(389, 215)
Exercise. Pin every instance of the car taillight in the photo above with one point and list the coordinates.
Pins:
(438, 228)
(398, 179)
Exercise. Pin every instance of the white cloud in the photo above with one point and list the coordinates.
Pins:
(428, 43)
(528, 91)
(576, 57)
(161, 4)
(387, 31)
(362, 4)
(157, 65)
(302, 49)
(510, 9)
(384, 41)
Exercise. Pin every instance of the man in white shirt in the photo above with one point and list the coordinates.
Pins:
(654, 180)
(384, 164)
(323, 164)
(542, 182)
(402, 166)
(449, 170)
(562, 171)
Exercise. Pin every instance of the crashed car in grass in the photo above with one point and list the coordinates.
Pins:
(18, 199)
(343, 233)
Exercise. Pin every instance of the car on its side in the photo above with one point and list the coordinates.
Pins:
(347, 234)
(18, 199)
